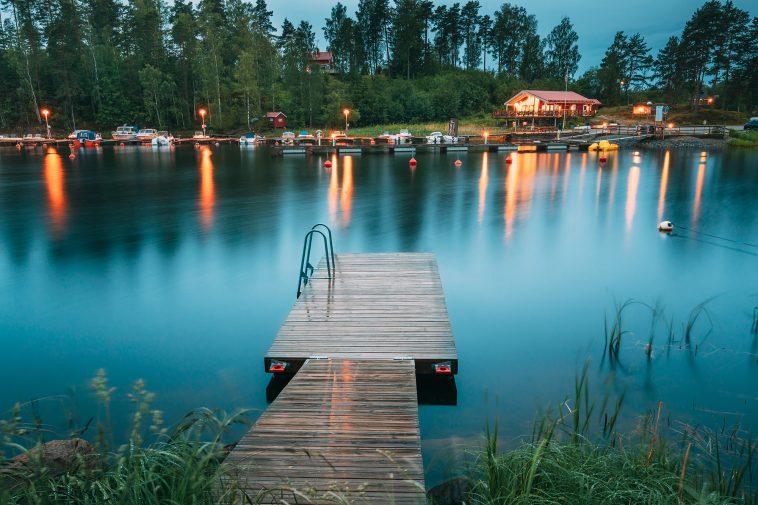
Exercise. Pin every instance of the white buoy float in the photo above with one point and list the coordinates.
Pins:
(666, 226)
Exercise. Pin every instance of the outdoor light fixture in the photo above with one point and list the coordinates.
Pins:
(202, 115)
(46, 113)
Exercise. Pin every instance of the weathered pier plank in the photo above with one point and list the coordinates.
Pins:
(346, 426)
(378, 306)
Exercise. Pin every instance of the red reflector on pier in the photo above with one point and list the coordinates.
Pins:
(443, 369)
(277, 367)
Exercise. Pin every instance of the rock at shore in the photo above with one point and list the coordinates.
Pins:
(683, 143)
(56, 458)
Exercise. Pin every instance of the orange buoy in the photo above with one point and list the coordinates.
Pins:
(44, 145)
(71, 156)
(197, 144)
(18, 145)
(458, 163)
(328, 164)
(603, 159)
(412, 162)
(508, 160)
(121, 144)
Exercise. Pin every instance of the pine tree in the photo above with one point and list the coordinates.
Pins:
(562, 51)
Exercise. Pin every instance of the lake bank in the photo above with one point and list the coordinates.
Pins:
(581, 453)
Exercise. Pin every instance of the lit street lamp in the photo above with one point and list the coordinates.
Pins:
(46, 113)
(202, 115)
(346, 112)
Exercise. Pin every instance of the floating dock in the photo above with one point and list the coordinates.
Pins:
(346, 424)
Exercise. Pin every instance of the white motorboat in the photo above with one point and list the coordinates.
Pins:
(125, 132)
(440, 138)
(147, 134)
(250, 139)
(33, 137)
(163, 138)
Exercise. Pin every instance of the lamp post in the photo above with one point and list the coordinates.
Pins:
(346, 112)
(202, 115)
(46, 113)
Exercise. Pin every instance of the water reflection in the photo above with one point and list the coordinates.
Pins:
(664, 184)
(698, 194)
(56, 195)
(511, 180)
(333, 189)
(346, 198)
(483, 179)
(631, 196)
(207, 188)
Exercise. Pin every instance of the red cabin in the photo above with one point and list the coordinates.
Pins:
(277, 119)
(532, 103)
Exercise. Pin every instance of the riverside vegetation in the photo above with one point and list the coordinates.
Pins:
(586, 451)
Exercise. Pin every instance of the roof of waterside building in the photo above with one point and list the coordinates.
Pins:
(275, 114)
(322, 56)
(556, 96)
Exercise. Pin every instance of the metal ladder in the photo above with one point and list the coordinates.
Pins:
(306, 268)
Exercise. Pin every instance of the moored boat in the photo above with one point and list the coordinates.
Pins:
(305, 138)
(250, 139)
(33, 138)
(125, 133)
(288, 138)
(87, 138)
(147, 134)
(163, 138)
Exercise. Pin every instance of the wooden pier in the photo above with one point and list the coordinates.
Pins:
(378, 306)
(347, 422)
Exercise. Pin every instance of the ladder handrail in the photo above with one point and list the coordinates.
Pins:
(305, 260)
(331, 244)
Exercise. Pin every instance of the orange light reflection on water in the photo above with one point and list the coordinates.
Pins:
(207, 188)
(664, 184)
(483, 181)
(346, 197)
(698, 194)
(631, 196)
(519, 183)
(56, 193)
(333, 189)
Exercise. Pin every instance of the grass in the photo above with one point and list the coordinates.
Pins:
(580, 458)
(177, 466)
(743, 138)
(577, 454)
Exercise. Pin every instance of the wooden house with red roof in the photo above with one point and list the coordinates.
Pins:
(277, 119)
(535, 103)
(325, 60)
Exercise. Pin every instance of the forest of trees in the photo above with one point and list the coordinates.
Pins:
(102, 63)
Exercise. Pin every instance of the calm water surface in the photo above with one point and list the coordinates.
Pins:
(178, 267)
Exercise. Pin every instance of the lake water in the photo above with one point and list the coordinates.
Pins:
(178, 267)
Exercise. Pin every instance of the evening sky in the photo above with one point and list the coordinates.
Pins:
(596, 21)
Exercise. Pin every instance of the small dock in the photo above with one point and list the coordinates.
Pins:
(346, 425)
(377, 306)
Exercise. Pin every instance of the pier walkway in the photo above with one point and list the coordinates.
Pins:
(347, 422)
